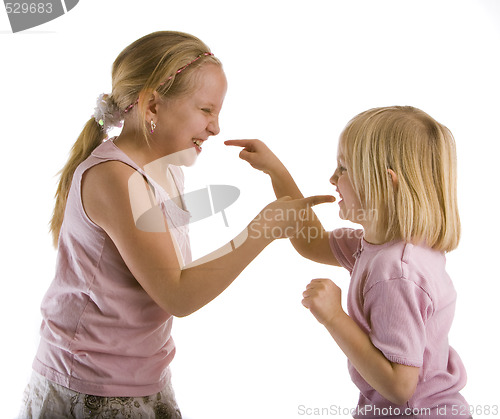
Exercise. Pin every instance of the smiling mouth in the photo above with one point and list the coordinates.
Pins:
(198, 143)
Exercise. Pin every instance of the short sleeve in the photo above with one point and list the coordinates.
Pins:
(345, 243)
(397, 311)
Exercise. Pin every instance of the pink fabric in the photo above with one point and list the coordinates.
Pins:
(402, 297)
(101, 333)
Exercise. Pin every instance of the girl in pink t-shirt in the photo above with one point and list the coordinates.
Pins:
(396, 177)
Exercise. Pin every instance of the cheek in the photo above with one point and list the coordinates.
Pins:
(344, 185)
(194, 123)
(347, 191)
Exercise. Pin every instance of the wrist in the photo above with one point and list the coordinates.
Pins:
(283, 183)
(336, 320)
(259, 232)
(279, 171)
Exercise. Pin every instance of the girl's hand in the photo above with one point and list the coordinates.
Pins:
(309, 238)
(285, 217)
(258, 155)
(324, 299)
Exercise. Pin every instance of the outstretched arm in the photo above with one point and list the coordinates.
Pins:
(312, 241)
(151, 256)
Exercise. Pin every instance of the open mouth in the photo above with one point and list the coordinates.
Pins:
(198, 143)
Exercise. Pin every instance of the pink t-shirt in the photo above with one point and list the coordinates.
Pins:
(401, 296)
(101, 333)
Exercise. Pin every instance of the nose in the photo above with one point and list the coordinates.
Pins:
(213, 126)
(334, 178)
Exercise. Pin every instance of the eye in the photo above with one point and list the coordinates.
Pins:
(206, 110)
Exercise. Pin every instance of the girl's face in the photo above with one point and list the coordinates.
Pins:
(349, 204)
(185, 123)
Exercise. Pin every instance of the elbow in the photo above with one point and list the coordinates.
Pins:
(181, 313)
(402, 385)
(177, 303)
(181, 309)
(178, 313)
(398, 399)
(401, 394)
(303, 249)
(173, 308)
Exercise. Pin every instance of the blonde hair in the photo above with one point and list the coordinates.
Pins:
(422, 207)
(147, 65)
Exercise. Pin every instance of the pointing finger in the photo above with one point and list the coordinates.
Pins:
(248, 144)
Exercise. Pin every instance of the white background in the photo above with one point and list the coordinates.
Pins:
(297, 72)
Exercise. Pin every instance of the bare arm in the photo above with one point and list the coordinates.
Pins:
(313, 243)
(395, 382)
(151, 256)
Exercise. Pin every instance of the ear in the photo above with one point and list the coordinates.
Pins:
(394, 178)
(152, 101)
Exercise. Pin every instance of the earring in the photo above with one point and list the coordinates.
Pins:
(153, 127)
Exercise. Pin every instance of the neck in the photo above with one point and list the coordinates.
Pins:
(132, 142)
(372, 235)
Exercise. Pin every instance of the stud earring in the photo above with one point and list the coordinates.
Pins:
(153, 127)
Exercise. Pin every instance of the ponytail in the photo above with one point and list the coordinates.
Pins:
(91, 136)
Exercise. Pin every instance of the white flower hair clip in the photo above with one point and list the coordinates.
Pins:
(107, 114)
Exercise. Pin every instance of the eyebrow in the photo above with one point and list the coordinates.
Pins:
(208, 104)
(204, 104)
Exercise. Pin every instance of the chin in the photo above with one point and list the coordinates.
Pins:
(185, 157)
(343, 217)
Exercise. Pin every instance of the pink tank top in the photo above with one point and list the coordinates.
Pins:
(101, 333)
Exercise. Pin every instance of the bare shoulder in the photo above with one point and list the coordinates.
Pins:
(105, 191)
